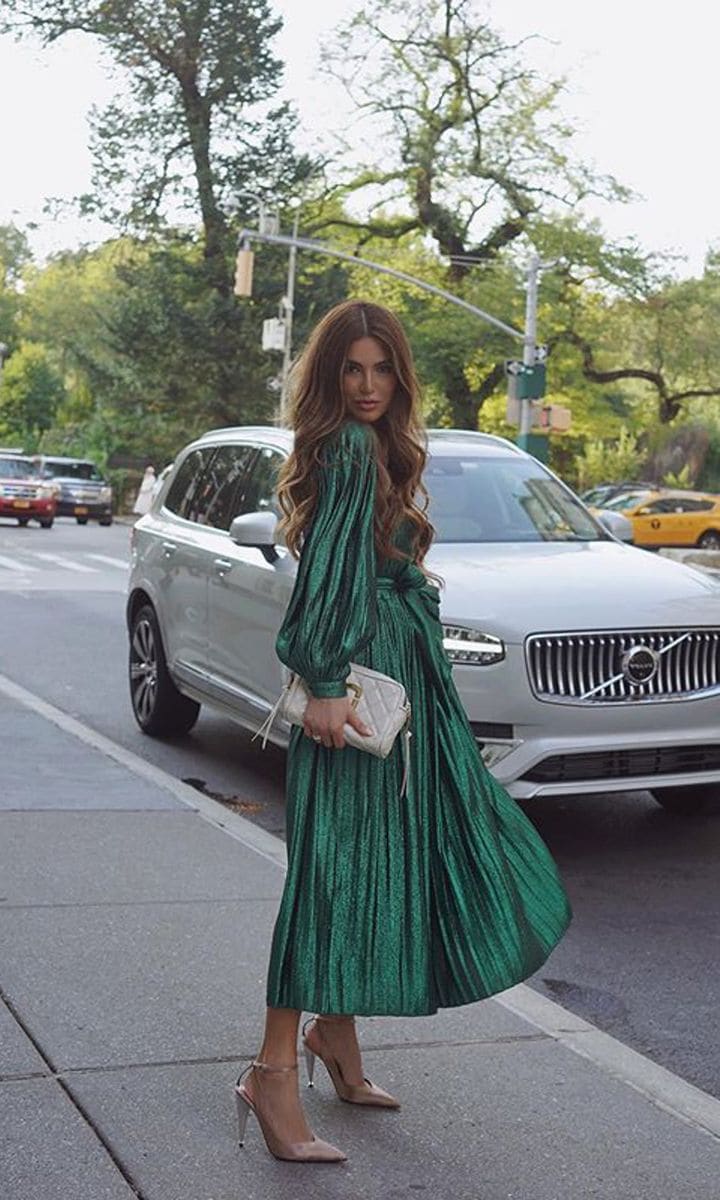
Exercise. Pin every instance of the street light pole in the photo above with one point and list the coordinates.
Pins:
(248, 236)
(530, 339)
(289, 306)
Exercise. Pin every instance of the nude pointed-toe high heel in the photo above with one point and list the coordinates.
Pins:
(314, 1150)
(355, 1093)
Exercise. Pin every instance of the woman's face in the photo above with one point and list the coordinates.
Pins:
(369, 380)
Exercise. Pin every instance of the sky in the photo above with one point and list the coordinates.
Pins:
(641, 89)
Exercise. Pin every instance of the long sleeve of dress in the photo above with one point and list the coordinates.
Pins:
(332, 613)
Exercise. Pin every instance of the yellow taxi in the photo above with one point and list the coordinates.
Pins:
(671, 517)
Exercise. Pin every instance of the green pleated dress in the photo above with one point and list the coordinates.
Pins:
(394, 905)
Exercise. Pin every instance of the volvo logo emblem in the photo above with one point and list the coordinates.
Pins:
(640, 664)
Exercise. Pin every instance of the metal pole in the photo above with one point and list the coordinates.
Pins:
(529, 340)
(289, 308)
(251, 235)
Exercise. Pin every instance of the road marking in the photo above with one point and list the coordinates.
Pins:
(13, 564)
(661, 1087)
(113, 562)
(59, 560)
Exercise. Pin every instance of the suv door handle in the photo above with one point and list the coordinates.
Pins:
(169, 549)
(222, 566)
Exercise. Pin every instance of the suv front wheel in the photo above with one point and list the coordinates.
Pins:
(159, 708)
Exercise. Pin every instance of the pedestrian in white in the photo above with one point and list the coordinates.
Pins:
(144, 496)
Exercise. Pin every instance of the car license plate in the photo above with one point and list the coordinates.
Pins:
(80, 511)
(21, 503)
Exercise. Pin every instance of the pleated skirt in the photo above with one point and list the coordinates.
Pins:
(404, 905)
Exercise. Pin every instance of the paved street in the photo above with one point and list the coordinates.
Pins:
(62, 558)
(639, 880)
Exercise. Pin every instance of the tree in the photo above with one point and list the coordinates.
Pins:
(30, 392)
(471, 143)
(195, 125)
(474, 152)
(14, 256)
(604, 462)
(195, 129)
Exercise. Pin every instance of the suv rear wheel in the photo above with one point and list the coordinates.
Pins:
(684, 801)
(159, 708)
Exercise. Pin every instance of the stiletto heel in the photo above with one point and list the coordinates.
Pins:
(309, 1063)
(314, 1150)
(355, 1093)
(243, 1109)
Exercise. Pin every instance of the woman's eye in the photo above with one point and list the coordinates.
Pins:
(385, 368)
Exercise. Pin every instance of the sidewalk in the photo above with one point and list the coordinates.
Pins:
(135, 918)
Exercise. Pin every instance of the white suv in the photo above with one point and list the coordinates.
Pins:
(587, 665)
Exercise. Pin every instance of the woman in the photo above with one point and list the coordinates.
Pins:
(145, 494)
(392, 904)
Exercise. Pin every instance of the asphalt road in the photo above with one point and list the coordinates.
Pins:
(641, 957)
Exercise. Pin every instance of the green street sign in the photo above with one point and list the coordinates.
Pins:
(531, 382)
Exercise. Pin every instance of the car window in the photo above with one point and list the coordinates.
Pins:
(221, 493)
(660, 506)
(475, 499)
(71, 470)
(626, 500)
(17, 468)
(187, 480)
(699, 505)
(261, 493)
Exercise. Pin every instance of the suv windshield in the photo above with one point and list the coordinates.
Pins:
(17, 468)
(478, 499)
(71, 470)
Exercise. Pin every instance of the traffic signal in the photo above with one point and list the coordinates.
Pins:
(244, 272)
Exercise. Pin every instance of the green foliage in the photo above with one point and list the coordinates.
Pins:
(190, 77)
(472, 143)
(604, 462)
(14, 255)
(678, 479)
(30, 392)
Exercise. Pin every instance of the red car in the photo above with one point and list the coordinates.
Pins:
(24, 494)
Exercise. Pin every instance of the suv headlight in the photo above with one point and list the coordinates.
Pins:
(47, 490)
(472, 646)
(105, 494)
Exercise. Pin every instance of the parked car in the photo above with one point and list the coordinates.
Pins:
(628, 498)
(673, 517)
(602, 493)
(83, 492)
(24, 494)
(586, 666)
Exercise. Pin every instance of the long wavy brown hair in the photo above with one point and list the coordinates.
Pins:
(316, 409)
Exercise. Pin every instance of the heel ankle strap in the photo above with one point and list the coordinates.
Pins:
(267, 1066)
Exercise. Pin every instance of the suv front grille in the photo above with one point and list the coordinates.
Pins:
(592, 668)
(625, 764)
(20, 491)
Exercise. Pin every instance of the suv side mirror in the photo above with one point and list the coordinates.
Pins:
(255, 529)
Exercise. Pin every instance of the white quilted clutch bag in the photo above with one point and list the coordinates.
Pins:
(380, 702)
